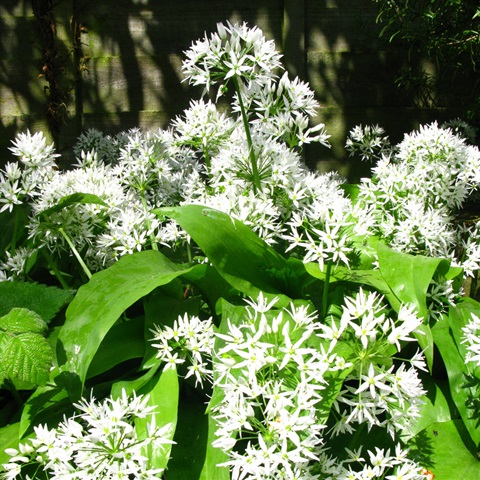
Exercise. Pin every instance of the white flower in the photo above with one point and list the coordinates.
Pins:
(471, 338)
(100, 442)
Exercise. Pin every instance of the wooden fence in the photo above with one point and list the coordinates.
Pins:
(68, 65)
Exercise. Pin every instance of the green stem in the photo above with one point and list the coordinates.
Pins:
(75, 252)
(13, 245)
(56, 271)
(257, 187)
(326, 285)
(207, 162)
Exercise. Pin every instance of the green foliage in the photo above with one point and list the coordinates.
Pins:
(25, 355)
(244, 260)
(164, 391)
(97, 307)
(212, 350)
(44, 300)
(445, 32)
(72, 200)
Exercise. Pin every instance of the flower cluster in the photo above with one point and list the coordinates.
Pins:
(271, 383)
(234, 51)
(243, 162)
(416, 190)
(100, 442)
(376, 392)
(369, 142)
(412, 200)
(190, 340)
(276, 370)
(376, 464)
(471, 339)
(22, 180)
(241, 55)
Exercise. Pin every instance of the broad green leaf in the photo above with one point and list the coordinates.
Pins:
(188, 452)
(9, 438)
(239, 255)
(464, 392)
(27, 358)
(99, 303)
(123, 342)
(20, 320)
(210, 283)
(214, 457)
(437, 407)
(446, 450)
(372, 278)
(45, 402)
(408, 276)
(46, 301)
(73, 199)
(136, 384)
(163, 391)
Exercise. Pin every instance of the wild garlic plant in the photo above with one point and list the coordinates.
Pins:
(244, 161)
(101, 441)
(280, 372)
(417, 190)
(280, 321)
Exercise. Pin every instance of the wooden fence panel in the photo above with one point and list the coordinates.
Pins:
(119, 65)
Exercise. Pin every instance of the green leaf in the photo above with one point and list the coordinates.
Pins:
(45, 402)
(27, 358)
(408, 276)
(163, 393)
(240, 256)
(9, 438)
(98, 305)
(464, 392)
(339, 273)
(213, 457)
(437, 406)
(136, 384)
(21, 320)
(46, 301)
(445, 449)
(188, 452)
(210, 283)
(73, 199)
(123, 342)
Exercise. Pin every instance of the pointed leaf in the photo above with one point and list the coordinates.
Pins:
(239, 255)
(9, 438)
(99, 304)
(73, 199)
(446, 450)
(163, 391)
(123, 342)
(464, 392)
(408, 276)
(46, 398)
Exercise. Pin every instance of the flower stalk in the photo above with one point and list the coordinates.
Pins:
(75, 252)
(257, 187)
